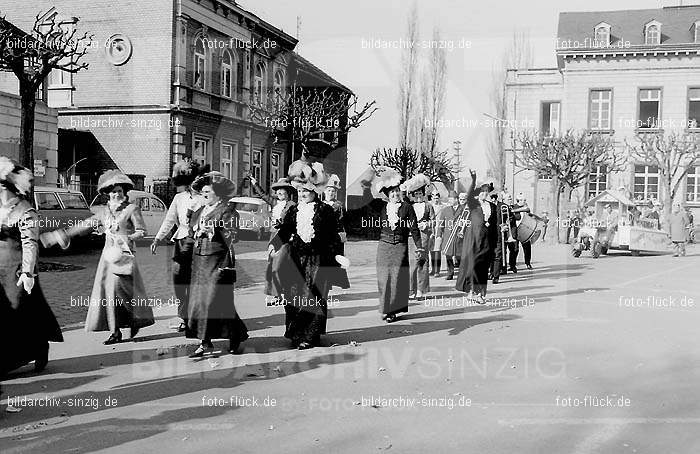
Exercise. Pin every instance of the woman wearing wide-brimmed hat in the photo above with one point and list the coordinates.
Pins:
(330, 198)
(425, 215)
(284, 192)
(118, 299)
(398, 222)
(309, 228)
(27, 323)
(214, 228)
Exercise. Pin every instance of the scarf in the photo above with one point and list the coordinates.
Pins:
(486, 208)
(277, 209)
(305, 221)
(392, 214)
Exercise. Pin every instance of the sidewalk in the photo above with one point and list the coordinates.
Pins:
(486, 378)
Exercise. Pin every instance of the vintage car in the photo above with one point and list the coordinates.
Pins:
(254, 214)
(153, 209)
(61, 208)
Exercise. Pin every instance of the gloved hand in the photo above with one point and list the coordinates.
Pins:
(27, 282)
(343, 236)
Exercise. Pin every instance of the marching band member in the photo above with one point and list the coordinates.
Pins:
(520, 206)
(281, 204)
(415, 188)
(330, 197)
(448, 217)
(310, 230)
(185, 202)
(435, 252)
(479, 242)
(27, 323)
(398, 222)
(506, 229)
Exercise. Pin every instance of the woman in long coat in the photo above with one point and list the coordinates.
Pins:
(27, 323)
(330, 198)
(425, 216)
(118, 298)
(479, 244)
(281, 204)
(679, 224)
(214, 228)
(310, 230)
(397, 221)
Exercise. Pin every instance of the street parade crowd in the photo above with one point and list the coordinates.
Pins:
(480, 232)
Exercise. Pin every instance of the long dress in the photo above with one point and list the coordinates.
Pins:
(420, 274)
(212, 312)
(118, 298)
(478, 248)
(27, 323)
(393, 277)
(340, 275)
(311, 234)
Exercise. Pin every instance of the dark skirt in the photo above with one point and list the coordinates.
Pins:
(212, 313)
(475, 262)
(182, 274)
(392, 277)
(277, 265)
(27, 323)
(306, 287)
(338, 275)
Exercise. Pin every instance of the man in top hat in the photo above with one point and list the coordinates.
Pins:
(435, 252)
(446, 224)
(506, 228)
(185, 202)
(330, 197)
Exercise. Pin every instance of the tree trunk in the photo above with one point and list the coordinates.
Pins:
(26, 139)
(555, 206)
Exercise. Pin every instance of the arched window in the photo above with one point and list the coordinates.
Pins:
(260, 85)
(602, 35)
(228, 68)
(200, 64)
(279, 82)
(653, 34)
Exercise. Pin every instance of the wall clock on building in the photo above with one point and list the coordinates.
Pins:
(118, 49)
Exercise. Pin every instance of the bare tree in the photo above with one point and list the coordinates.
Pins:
(408, 81)
(518, 55)
(31, 58)
(304, 116)
(567, 159)
(433, 86)
(674, 153)
(409, 162)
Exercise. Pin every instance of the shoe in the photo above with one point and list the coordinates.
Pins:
(233, 345)
(529, 267)
(437, 274)
(495, 280)
(449, 277)
(384, 316)
(412, 296)
(114, 338)
(42, 360)
(420, 295)
(391, 318)
(431, 274)
(513, 270)
(182, 327)
(304, 346)
(674, 255)
(201, 350)
(133, 331)
(480, 299)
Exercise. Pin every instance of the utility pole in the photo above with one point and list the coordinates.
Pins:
(457, 145)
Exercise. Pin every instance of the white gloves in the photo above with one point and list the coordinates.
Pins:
(27, 282)
(343, 236)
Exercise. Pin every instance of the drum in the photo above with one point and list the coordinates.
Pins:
(530, 228)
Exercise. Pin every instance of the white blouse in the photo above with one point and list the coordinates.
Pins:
(392, 214)
(305, 225)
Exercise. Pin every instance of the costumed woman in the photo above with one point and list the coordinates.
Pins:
(283, 201)
(214, 229)
(27, 323)
(310, 230)
(330, 197)
(425, 215)
(185, 202)
(118, 298)
(479, 243)
(398, 222)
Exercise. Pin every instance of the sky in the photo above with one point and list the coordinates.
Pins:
(337, 36)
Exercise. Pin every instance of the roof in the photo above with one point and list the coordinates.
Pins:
(627, 26)
(54, 189)
(613, 194)
(308, 67)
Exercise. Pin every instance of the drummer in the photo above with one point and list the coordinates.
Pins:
(519, 207)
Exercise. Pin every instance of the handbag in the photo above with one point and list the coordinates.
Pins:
(121, 262)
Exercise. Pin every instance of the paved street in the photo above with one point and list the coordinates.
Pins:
(576, 356)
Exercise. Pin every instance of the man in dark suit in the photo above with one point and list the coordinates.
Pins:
(506, 225)
(446, 223)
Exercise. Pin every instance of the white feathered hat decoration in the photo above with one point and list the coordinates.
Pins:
(333, 182)
(16, 175)
(415, 183)
(387, 178)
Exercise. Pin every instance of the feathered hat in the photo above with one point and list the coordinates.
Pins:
(333, 182)
(14, 177)
(306, 175)
(184, 172)
(222, 186)
(415, 183)
(282, 183)
(111, 178)
(387, 179)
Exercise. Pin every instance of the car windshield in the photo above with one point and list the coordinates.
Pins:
(244, 206)
(73, 201)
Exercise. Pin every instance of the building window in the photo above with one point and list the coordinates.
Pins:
(597, 181)
(602, 36)
(550, 118)
(694, 107)
(279, 82)
(652, 35)
(200, 151)
(600, 109)
(696, 32)
(649, 108)
(228, 154)
(260, 86)
(544, 176)
(275, 167)
(227, 75)
(692, 190)
(646, 182)
(59, 79)
(200, 64)
(256, 167)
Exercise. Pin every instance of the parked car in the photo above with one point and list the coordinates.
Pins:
(153, 209)
(255, 216)
(60, 208)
